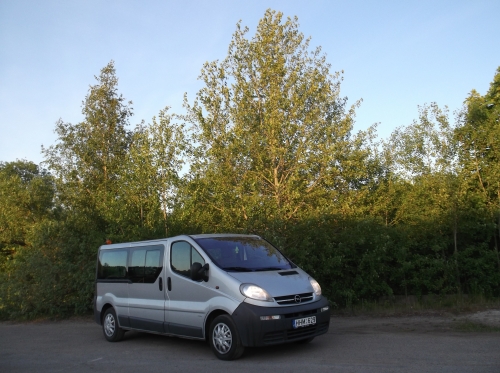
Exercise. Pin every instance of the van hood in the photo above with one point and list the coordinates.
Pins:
(277, 283)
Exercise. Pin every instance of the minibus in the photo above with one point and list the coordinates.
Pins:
(233, 290)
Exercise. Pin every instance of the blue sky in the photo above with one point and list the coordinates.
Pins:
(395, 55)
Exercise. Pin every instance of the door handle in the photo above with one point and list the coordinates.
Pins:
(169, 284)
(160, 284)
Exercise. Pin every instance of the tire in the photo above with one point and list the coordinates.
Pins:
(224, 338)
(112, 332)
(305, 341)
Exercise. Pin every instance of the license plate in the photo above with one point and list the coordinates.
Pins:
(306, 321)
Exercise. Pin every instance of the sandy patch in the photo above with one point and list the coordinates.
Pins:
(489, 317)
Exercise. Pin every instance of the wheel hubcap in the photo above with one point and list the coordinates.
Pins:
(109, 325)
(222, 338)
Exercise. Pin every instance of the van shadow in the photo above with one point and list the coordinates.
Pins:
(201, 349)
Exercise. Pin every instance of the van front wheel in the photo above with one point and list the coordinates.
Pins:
(224, 338)
(110, 327)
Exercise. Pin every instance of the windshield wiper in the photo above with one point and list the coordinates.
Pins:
(268, 269)
(238, 269)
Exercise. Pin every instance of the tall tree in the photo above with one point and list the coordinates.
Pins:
(273, 134)
(479, 138)
(88, 156)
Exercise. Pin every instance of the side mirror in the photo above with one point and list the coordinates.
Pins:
(199, 272)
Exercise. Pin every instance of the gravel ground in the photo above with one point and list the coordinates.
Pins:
(427, 342)
(423, 321)
(490, 318)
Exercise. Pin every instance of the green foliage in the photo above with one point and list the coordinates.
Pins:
(273, 134)
(109, 183)
(26, 205)
(55, 276)
(269, 144)
(478, 138)
(150, 174)
(26, 200)
(88, 156)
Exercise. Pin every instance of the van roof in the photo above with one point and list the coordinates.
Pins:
(158, 240)
(216, 235)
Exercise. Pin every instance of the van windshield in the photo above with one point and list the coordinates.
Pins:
(244, 254)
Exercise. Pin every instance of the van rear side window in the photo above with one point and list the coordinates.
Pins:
(145, 264)
(112, 265)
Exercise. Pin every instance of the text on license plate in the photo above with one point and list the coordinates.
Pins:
(306, 321)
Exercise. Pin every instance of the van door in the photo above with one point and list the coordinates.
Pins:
(146, 290)
(188, 300)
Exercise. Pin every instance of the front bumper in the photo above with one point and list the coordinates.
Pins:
(256, 332)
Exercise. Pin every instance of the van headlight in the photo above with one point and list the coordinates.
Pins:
(255, 292)
(315, 285)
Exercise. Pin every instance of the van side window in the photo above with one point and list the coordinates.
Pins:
(112, 265)
(136, 267)
(153, 266)
(145, 264)
(183, 255)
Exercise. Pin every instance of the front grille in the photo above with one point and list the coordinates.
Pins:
(292, 299)
(294, 334)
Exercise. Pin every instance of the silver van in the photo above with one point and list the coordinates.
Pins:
(232, 290)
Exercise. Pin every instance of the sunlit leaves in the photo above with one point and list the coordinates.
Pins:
(273, 131)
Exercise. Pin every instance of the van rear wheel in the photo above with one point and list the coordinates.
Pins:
(111, 329)
(224, 338)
